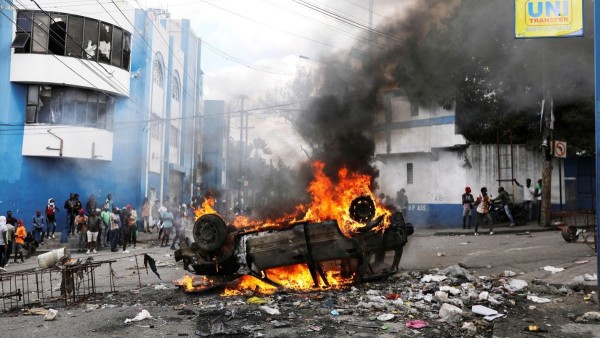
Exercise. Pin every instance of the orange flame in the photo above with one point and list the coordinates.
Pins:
(332, 201)
(193, 283)
(294, 277)
(206, 208)
(329, 201)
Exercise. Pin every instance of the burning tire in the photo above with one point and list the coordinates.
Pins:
(210, 232)
(362, 209)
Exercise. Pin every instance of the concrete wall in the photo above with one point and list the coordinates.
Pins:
(439, 181)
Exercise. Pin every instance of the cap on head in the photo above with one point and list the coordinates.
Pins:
(468, 190)
(81, 211)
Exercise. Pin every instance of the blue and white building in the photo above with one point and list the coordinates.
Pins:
(419, 149)
(96, 99)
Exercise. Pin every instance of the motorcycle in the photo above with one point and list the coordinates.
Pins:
(518, 211)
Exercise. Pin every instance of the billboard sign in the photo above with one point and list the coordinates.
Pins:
(548, 18)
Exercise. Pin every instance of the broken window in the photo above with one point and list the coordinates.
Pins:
(32, 104)
(126, 50)
(58, 34)
(409, 173)
(117, 40)
(158, 73)
(105, 42)
(22, 42)
(40, 33)
(75, 36)
(90, 39)
(70, 106)
(72, 35)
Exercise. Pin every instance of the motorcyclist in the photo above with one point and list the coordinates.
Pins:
(504, 199)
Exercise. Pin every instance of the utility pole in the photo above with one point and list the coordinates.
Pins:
(548, 124)
(242, 150)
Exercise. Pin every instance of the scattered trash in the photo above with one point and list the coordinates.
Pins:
(278, 324)
(416, 324)
(534, 328)
(150, 261)
(335, 313)
(256, 300)
(441, 254)
(450, 313)
(50, 315)
(454, 291)
(160, 287)
(588, 316)
(487, 313)
(552, 269)
(433, 278)
(314, 328)
(91, 307)
(269, 310)
(469, 327)
(581, 262)
(37, 311)
(589, 278)
(537, 299)
(385, 317)
(393, 296)
(509, 273)
(144, 314)
(516, 285)
(483, 295)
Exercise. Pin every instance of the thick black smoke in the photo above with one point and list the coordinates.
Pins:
(437, 53)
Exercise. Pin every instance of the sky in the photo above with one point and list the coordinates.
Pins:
(251, 47)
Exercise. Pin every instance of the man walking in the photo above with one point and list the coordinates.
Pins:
(71, 214)
(81, 222)
(3, 241)
(94, 224)
(51, 211)
(483, 211)
(38, 226)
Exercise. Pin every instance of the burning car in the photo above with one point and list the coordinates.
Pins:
(342, 237)
(225, 251)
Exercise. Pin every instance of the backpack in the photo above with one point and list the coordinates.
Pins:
(49, 210)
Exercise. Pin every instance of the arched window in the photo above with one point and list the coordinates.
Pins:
(158, 73)
(176, 90)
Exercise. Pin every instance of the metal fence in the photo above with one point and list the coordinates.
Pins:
(66, 285)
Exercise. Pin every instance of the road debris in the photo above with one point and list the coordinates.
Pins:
(144, 314)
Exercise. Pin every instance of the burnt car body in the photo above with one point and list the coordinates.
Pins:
(219, 250)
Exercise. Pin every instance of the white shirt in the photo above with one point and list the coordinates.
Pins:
(528, 193)
(3, 229)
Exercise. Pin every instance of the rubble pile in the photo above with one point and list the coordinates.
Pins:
(450, 302)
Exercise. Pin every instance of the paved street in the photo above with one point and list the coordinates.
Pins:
(524, 254)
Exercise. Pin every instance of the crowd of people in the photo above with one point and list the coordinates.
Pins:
(481, 205)
(97, 225)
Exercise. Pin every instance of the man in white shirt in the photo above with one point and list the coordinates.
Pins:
(528, 196)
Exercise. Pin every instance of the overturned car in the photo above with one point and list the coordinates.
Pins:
(228, 253)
